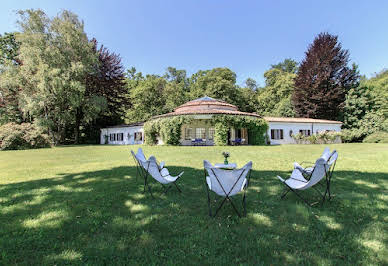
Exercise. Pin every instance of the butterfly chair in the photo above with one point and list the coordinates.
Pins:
(140, 157)
(307, 170)
(227, 183)
(161, 175)
(297, 182)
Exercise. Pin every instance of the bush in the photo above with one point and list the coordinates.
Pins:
(377, 137)
(25, 136)
(324, 137)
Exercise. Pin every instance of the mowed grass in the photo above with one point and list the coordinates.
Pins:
(82, 205)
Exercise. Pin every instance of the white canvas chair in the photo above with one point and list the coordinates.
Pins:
(307, 170)
(140, 158)
(322, 169)
(161, 175)
(227, 183)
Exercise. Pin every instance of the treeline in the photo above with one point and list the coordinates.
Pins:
(52, 75)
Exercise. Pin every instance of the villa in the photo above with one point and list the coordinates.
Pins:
(200, 129)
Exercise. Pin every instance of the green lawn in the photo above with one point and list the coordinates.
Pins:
(82, 205)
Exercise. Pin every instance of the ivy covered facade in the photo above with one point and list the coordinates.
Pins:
(206, 121)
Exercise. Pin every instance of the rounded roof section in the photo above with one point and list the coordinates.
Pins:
(206, 105)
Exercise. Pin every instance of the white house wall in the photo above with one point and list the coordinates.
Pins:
(128, 135)
(295, 127)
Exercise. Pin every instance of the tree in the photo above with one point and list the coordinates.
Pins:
(177, 89)
(219, 83)
(106, 83)
(147, 99)
(9, 93)
(323, 79)
(57, 60)
(247, 99)
(251, 84)
(275, 98)
(9, 48)
(288, 65)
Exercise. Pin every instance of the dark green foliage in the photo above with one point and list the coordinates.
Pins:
(9, 48)
(257, 128)
(377, 137)
(323, 79)
(168, 129)
(24, 136)
(221, 133)
(275, 98)
(218, 83)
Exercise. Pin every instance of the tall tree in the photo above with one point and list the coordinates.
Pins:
(275, 98)
(147, 99)
(57, 59)
(176, 91)
(219, 83)
(323, 79)
(9, 93)
(105, 84)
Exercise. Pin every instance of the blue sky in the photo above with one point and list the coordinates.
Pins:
(246, 36)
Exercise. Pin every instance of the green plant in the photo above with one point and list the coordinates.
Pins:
(24, 136)
(377, 137)
(257, 128)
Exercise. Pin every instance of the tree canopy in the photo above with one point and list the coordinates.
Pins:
(323, 79)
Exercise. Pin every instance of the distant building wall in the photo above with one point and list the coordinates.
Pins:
(113, 135)
(290, 129)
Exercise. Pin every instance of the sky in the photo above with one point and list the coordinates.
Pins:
(245, 36)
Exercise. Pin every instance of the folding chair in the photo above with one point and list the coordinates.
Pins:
(162, 176)
(140, 157)
(298, 182)
(227, 183)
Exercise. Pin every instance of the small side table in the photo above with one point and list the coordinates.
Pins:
(229, 166)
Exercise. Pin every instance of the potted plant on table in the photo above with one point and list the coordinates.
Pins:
(226, 156)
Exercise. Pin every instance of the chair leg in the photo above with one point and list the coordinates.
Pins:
(308, 203)
(219, 207)
(245, 205)
(208, 203)
(286, 190)
(180, 191)
(234, 207)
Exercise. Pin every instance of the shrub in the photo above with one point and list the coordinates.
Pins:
(377, 137)
(324, 137)
(25, 136)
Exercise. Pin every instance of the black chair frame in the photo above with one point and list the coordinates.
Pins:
(327, 192)
(227, 197)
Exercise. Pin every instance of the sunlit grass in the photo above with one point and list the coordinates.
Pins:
(82, 205)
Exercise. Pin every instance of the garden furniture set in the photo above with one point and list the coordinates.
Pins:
(226, 180)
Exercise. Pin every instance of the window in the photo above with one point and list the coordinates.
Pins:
(200, 133)
(112, 137)
(120, 136)
(276, 133)
(188, 133)
(138, 136)
(305, 132)
(211, 133)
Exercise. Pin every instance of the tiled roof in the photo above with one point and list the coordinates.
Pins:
(208, 112)
(128, 125)
(300, 120)
(206, 101)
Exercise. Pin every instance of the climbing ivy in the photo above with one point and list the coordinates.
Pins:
(169, 129)
(257, 128)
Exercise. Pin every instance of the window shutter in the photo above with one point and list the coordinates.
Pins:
(281, 133)
(272, 134)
